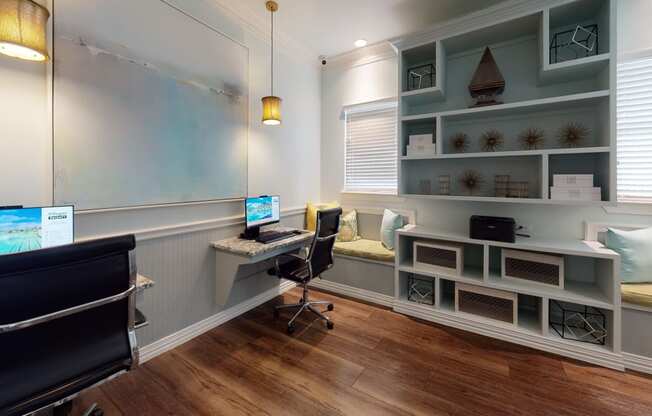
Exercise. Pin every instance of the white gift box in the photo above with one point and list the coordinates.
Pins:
(420, 139)
(421, 150)
(575, 181)
(575, 194)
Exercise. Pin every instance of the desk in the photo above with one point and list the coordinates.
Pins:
(142, 283)
(233, 256)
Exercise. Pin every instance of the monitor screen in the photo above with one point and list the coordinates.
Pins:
(262, 210)
(28, 229)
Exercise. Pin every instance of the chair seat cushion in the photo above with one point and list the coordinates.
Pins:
(296, 270)
(637, 294)
(367, 249)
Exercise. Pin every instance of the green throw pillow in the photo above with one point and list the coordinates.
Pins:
(391, 222)
(635, 249)
(348, 227)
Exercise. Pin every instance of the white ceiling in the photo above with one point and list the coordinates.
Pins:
(329, 27)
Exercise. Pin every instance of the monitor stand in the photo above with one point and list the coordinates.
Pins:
(250, 233)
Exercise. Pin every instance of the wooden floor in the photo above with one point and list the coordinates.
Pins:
(374, 362)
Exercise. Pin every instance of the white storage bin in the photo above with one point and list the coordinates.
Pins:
(421, 150)
(493, 304)
(575, 194)
(420, 140)
(576, 181)
(544, 269)
(439, 257)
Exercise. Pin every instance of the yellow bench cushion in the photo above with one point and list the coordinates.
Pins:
(637, 294)
(366, 249)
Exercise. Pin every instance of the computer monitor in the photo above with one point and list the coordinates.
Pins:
(259, 211)
(26, 229)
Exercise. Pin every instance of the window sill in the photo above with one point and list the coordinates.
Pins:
(385, 197)
(629, 208)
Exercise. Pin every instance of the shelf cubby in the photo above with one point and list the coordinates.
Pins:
(570, 66)
(417, 126)
(583, 13)
(418, 100)
(556, 316)
(587, 280)
(446, 294)
(550, 117)
(520, 168)
(530, 313)
(597, 164)
(472, 268)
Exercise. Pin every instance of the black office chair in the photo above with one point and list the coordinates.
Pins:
(66, 322)
(303, 270)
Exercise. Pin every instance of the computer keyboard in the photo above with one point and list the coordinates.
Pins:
(273, 236)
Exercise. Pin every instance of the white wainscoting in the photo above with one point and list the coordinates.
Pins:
(180, 337)
(182, 263)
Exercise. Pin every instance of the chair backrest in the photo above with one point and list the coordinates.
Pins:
(66, 320)
(321, 250)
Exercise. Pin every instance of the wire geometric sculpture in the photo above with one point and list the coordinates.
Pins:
(575, 43)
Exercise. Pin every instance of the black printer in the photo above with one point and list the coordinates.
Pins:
(493, 228)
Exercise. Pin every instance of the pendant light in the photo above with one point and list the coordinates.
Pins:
(271, 103)
(23, 30)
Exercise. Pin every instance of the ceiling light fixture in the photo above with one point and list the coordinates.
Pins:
(23, 30)
(360, 43)
(271, 103)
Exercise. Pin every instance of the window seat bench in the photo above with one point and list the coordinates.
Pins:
(364, 249)
(364, 269)
(639, 294)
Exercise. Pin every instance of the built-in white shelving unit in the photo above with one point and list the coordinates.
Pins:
(591, 279)
(540, 93)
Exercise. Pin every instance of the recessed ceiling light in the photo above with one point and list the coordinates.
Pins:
(360, 43)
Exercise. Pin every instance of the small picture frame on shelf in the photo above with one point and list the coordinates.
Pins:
(420, 77)
(421, 290)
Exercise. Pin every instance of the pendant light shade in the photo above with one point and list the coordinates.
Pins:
(271, 111)
(23, 30)
(271, 103)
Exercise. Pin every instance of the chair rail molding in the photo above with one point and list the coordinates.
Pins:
(192, 227)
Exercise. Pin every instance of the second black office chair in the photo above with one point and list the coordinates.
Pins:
(303, 270)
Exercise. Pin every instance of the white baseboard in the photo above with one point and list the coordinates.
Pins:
(503, 332)
(354, 292)
(172, 341)
(638, 363)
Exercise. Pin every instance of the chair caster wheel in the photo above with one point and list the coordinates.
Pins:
(276, 313)
(330, 325)
(330, 307)
(291, 329)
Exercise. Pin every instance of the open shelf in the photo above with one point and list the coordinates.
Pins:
(576, 292)
(539, 95)
(521, 168)
(530, 318)
(490, 302)
(574, 62)
(575, 150)
(596, 164)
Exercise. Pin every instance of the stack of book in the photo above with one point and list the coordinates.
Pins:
(574, 188)
(420, 145)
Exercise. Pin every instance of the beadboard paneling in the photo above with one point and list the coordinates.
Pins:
(183, 267)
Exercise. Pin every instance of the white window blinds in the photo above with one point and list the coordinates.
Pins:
(634, 127)
(371, 149)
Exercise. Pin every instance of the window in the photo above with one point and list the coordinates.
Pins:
(371, 149)
(634, 173)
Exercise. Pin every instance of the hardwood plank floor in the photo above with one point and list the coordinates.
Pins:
(375, 362)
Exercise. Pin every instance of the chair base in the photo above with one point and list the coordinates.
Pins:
(305, 304)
